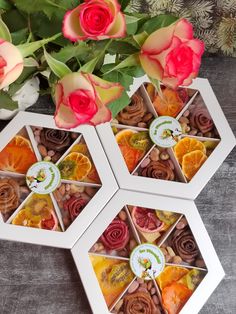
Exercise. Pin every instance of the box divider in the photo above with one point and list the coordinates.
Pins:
(201, 138)
(123, 126)
(148, 101)
(159, 293)
(81, 183)
(186, 266)
(33, 142)
(145, 156)
(69, 149)
(12, 174)
(120, 258)
(135, 232)
(187, 105)
(58, 211)
(178, 168)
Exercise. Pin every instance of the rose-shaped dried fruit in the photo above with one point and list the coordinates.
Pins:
(134, 112)
(184, 245)
(11, 63)
(94, 19)
(9, 195)
(172, 55)
(57, 140)
(139, 302)
(83, 98)
(158, 170)
(116, 236)
(74, 206)
(201, 119)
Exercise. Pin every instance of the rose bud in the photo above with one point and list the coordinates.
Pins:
(172, 55)
(94, 19)
(11, 63)
(83, 98)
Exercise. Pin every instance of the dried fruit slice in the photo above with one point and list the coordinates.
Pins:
(131, 156)
(192, 162)
(170, 104)
(80, 148)
(124, 136)
(187, 145)
(21, 141)
(75, 166)
(16, 158)
(113, 276)
(192, 279)
(140, 141)
(146, 220)
(174, 297)
(167, 217)
(171, 274)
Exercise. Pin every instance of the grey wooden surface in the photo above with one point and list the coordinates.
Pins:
(43, 280)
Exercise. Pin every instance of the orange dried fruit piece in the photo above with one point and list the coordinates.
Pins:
(16, 158)
(171, 274)
(21, 141)
(192, 162)
(124, 136)
(174, 297)
(170, 105)
(187, 145)
(80, 148)
(75, 166)
(131, 156)
(113, 276)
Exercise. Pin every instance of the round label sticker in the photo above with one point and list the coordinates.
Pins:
(165, 131)
(147, 261)
(43, 177)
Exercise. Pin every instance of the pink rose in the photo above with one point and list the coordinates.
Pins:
(94, 19)
(83, 98)
(172, 55)
(11, 63)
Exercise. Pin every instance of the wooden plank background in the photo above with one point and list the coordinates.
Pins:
(42, 280)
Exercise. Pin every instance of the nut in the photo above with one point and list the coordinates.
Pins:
(142, 125)
(187, 129)
(164, 156)
(42, 149)
(132, 244)
(51, 153)
(122, 215)
(199, 134)
(170, 251)
(164, 251)
(133, 287)
(153, 291)
(118, 305)
(154, 155)
(200, 263)
(184, 120)
(145, 162)
(90, 191)
(193, 132)
(208, 134)
(149, 285)
(176, 259)
(47, 158)
(155, 299)
(140, 280)
(147, 117)
(62, 189)
(186, 113)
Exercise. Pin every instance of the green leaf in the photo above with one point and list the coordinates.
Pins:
(130, 61)
(140, 38)
(118, 76)
(122, 47)
(20, 21)
(119, 104)
(132, 23)
(5, 5)
(66, 53)
(89, 66)
(6, 101)
(59, 68)
(124, 4)
(20, 36)
(157, 22)
(4, 31)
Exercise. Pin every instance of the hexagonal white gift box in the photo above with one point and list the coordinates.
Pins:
(149, 254)
(53, 182)
(182, 170)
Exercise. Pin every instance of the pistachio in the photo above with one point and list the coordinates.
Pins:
(51, 153)
(164, 156)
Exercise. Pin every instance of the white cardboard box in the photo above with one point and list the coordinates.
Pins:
(213, 269)
(183, 188)
(65, 238)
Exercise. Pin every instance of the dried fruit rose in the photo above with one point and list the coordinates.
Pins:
(201, 119)
(139, 302)
(9, 195)
(74, 206)
(116, 236)
(158, 170)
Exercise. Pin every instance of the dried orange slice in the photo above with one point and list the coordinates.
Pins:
(174, 297)
(171, 274)
(124, 136)
(75, 166)
(187, 145)
(80, 148)
(170, 104)
(21, 141)
(16, 158)
(131, 156)
(192, 162)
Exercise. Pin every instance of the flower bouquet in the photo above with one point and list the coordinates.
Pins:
(87, 54)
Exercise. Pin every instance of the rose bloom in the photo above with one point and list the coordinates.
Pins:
(94, 19)
(172, 55)
(83, 98)
(11, 63)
